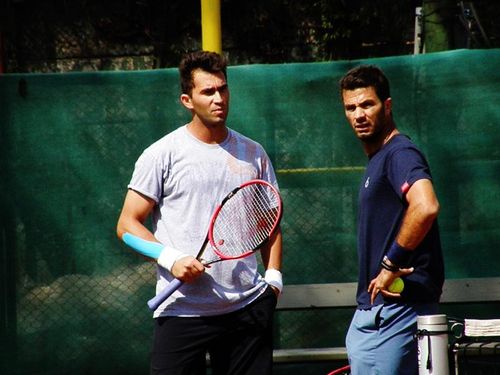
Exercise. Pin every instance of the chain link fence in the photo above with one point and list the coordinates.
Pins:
(73, 297)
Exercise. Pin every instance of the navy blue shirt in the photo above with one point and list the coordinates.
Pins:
(390, 173)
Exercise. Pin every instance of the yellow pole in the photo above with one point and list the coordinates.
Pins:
(210, 26)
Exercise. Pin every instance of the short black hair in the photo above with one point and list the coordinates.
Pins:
(207, 61)
(366, 76)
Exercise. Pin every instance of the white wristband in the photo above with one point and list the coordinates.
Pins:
(168, 257)
(274, 278)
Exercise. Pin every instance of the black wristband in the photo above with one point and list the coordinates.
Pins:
(397, 254)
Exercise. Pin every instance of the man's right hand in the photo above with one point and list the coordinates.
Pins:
(187, 269)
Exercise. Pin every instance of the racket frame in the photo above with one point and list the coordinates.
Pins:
(213, 220)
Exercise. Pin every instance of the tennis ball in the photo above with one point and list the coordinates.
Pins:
(397, 286)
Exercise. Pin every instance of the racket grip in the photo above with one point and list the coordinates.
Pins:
(157, 300)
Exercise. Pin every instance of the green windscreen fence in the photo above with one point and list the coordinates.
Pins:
(73, 297)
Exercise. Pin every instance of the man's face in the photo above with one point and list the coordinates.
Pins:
(366, 113)
(209, 99)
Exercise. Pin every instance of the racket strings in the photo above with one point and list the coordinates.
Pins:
(246, 220)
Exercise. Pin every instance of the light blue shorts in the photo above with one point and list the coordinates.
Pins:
(380, 341)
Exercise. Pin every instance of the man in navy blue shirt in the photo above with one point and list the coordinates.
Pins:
(398, 235)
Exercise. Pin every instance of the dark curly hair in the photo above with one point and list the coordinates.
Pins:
(366, 76)
(207, 61)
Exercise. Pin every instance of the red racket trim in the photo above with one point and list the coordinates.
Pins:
(277, 219)
(340, 371)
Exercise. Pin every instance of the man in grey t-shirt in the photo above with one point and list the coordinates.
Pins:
(225, 309)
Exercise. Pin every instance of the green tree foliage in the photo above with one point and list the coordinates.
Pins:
(293, 30)
(56, 35)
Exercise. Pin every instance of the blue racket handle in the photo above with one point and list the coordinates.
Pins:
(148, 248)
(157, 300)
(152, 250)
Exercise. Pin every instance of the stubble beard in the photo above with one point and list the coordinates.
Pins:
(378, 131)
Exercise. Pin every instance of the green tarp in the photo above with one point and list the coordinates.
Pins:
(73, 297)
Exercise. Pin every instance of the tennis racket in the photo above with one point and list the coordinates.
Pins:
(345, 370)
(241, 224)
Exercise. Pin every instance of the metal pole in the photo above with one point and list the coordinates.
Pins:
(211, 26)
(418, 40)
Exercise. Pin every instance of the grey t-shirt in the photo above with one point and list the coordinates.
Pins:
(187, 179)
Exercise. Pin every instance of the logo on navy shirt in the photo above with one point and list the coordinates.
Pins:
(367, 182)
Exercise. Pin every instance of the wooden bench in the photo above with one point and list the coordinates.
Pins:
(342, 295)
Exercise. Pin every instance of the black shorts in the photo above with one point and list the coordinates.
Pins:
(239, 343)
